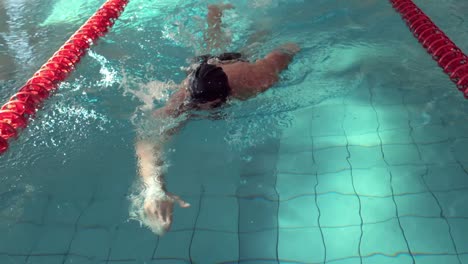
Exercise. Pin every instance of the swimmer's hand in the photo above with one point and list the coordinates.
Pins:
(220, 7)
(289, 48)
(159, 210)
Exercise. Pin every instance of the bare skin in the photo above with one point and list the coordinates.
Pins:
(245, 79)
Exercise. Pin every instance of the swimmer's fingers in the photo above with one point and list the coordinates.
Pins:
(167, 215)
(181, 202)
(227, 6)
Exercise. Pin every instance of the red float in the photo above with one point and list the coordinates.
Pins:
(449, 57)
(15, 113)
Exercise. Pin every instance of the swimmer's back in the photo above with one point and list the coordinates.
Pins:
(248, 79)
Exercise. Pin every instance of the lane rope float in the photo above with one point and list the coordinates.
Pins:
(15, 114)
(449, 57)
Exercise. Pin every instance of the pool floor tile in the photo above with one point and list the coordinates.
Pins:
(296, 162)
(184, 218)
(401, 155)
(446, 177)
(63, 212)
(459, 148)
(464, 258)
(383, 238)
(335, 182)
(19, 239)
(134, 243)
(379, 259)
(301, 245)
(298, 212)
(437, 260)
(338, 210)
(44, 260)
(396, 137)
(421, 204)
(363, 140)
(324, 142)
(327, 120)
(35, 208)
(437, 153)
(256, 214)
(215, 247)
(174, 245)
(227, 211)
(6, 259)
(392, 117)
(342, 242)
(331, 160)
(296, 142)
(293, 185)
(459, 230)
(105, 212)
(408, 179)
(54, 240)
(99, 248)
(387, 95)
(366, 157)
(349, 260)
(454, 203)
(372, 182)
(430, 134)
(257, 186)
(258, 245)
(377, 209)
(167, 261)
(359, 119)
(422, 241)
(73, 259)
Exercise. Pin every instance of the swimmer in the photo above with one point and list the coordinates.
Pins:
(211, 82)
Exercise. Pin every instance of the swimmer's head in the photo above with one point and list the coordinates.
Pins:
(208, 84)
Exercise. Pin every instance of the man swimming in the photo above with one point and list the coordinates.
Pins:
(211, 82)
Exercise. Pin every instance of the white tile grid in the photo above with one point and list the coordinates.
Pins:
(300, 212)
(406, 172)
(301, 245)
(258, 245)
(290, 186)
(132, 242)
(437, 241)
(377, 209)
(459, 228)
(97, 250)
(384, 259)
(385, 238)
(446, 177)
(335, 182)
(219, 214)
(338, 210)
(174, 245)
(331, 160)
(366, 157)
(214, 247)
(330, 153)
(45, 259)
(426, 205)
(342, 243)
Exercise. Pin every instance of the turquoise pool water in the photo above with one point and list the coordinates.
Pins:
(358, 155)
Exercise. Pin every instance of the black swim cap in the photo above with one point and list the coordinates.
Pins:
(208, 83)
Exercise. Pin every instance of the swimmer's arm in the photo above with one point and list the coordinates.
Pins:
(268, 69)
(214, 33)
(279, 59)
(173, 107)
(150, 165)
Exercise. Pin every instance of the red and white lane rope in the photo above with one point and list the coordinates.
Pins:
(14, 115)
(449, 57)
